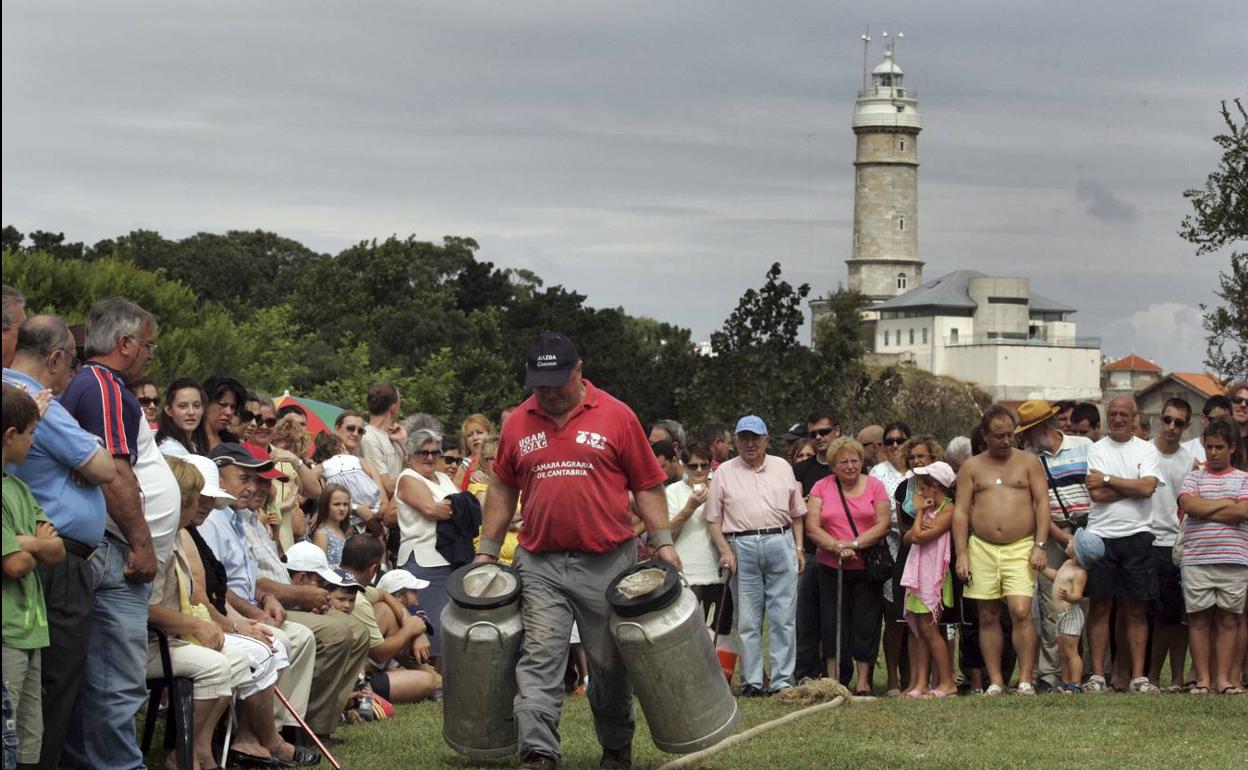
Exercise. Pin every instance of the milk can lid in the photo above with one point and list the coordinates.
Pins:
(483, 586)
(644, 587)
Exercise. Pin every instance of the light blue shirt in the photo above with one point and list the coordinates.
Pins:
(61, 445)
(223, 532)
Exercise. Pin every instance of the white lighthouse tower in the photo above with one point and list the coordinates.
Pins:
(885, 259)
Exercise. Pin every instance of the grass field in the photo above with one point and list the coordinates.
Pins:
(1138, 732)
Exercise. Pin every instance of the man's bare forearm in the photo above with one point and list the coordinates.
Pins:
(125, 505)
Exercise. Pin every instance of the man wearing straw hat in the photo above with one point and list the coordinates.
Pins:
(1065, 462)
(575, 453)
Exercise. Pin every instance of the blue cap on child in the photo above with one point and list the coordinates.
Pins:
(1089, 548)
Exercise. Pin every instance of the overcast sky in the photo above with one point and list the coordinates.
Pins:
(653, 155)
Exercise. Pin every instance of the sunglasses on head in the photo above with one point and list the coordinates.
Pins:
(1176, 421)
(821, 432)
(149, 401)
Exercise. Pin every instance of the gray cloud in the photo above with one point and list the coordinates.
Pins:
(1101, 202)
(653, 155)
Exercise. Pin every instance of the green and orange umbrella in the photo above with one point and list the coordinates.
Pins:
(321, 415)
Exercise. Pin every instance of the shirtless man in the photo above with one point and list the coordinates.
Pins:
(1000, 521)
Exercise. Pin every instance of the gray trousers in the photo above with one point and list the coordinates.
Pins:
(557, 587)
(1049, 665)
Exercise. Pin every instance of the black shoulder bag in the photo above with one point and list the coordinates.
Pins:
(879, 561)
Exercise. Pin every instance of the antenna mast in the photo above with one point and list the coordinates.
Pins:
(866, 43)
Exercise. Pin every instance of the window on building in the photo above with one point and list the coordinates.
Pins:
(924, 335)
(901, 145)
(886, 338)
(901, 223)
(901, 281)
(912, 336)
(953, 336)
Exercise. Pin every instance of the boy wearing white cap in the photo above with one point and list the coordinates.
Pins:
(1069, 582)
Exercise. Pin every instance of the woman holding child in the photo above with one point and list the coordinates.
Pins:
(847, 513)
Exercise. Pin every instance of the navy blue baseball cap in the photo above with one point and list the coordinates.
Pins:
(551, 359)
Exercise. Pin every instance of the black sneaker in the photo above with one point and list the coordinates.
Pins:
(1044, 687)
(617, 759)
(753, 691)
(536, 761)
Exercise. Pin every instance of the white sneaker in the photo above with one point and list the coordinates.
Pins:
(1095, 683)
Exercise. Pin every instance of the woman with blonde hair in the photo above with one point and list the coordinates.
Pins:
(474, 430)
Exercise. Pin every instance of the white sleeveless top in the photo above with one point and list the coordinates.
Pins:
(419, 535)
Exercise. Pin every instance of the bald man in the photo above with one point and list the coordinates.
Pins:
(1123, 472)
(871, 438)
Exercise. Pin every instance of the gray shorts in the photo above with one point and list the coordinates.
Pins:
(1222, 585)
(1069, 621)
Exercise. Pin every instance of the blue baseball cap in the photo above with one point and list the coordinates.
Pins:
(751, 423)
(1089, 548)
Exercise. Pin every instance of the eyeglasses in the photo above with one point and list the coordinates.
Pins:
(894, 441)
(1178, 422)
(354, 429)
(1239, 401)
(268, 422)
(428, 452)
(821, 432)
(149, 400)
(151, 346)
(452, 459)
(697, 466)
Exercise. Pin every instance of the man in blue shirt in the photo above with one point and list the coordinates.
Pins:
(63, 469)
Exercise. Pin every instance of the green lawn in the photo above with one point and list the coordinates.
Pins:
(1084, 731)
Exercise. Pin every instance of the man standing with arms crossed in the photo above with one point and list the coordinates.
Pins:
(1001, 524)
(575, 453)
(1123, 472)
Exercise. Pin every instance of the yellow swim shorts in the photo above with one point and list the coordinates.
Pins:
(1000, 569)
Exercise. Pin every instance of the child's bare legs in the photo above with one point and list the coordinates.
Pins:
(920, 659)
(1072, 661)
(411, 685)
(936, 655)
(1224, 643)
(1199, 632)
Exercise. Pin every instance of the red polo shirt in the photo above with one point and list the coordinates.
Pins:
(574, 481)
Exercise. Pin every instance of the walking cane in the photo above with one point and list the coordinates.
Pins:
(719, 608)
(320, 746)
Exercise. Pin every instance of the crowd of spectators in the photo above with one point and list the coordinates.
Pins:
(314, 567)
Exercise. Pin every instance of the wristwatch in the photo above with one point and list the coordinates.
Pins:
(855, 544)
(1107, 479)
(1040, 544)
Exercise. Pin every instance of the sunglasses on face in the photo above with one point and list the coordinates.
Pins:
(1178, 422)
(149, 401)
(452, 459)
(894, 441)
(353, 429)
(1239, 400)
(821, 432)
(428, 452)
(697, 466)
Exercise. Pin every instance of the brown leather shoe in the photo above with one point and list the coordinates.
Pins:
(536, 761)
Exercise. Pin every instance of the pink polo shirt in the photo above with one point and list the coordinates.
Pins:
(742, 498)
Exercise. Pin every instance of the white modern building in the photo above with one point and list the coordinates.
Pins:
(994, 332)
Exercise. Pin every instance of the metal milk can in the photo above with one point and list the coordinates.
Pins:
(658, 626)
(481, 637)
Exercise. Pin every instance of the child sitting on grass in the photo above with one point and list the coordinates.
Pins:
(927, 580)
(29, 540)
(1069, 581)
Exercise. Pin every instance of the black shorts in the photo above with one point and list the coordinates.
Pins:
(380, 682)
(1167, 607)
(1128, 571)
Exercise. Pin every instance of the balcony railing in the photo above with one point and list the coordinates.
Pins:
(1055, 342)
(888, 92)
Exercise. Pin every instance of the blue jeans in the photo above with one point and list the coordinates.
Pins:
(102, 733)
(766, 581)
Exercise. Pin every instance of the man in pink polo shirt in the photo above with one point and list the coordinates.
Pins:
(754, 513)
(575, 453)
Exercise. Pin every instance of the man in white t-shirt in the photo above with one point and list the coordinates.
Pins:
(1166, 611)
(1215, 408)
(1123, 473)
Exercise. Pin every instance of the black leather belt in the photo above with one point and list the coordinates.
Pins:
(768, 531)
(81, 550)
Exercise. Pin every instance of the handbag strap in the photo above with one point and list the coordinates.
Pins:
(1053, 486)
(848, 514)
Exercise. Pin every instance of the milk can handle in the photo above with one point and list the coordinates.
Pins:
(487, 624)
(639, 627)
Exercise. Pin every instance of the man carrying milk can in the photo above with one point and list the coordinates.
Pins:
(571, 454)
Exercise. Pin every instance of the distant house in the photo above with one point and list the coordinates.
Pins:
(992, 331)
(1128, 375)
(1193, 387)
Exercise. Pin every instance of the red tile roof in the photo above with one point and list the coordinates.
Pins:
(1203, 383)
(1133, 363)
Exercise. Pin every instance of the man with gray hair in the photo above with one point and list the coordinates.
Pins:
(64, 469)
(143, 503)
(14, 316)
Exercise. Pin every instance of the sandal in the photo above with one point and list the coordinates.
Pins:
(1095, 683)
(917, 694)
(993, 691)
(893, 693)
(936, 694)
(1231, 690)
(1199, 689)
(1069, 688)
(1025, 688)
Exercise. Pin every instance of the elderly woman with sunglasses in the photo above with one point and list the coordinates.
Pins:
(420, 503)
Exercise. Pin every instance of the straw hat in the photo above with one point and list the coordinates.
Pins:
(1032, 413)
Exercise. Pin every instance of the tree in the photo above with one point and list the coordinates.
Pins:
(12, 239)
(1220, 219)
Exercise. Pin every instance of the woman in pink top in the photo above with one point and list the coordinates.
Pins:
(840, 561)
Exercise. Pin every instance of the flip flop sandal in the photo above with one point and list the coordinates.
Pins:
(916, 694)
(1070, 688)
(1199, 689)
(993, 691)
(936, 695)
